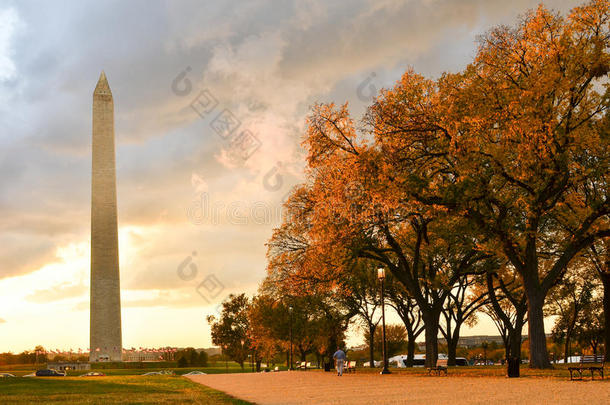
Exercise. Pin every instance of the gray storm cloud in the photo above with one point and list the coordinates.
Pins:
(266, 61)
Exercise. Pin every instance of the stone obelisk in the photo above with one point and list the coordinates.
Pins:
(105, 315)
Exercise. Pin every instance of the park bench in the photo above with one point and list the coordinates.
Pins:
(441, 366)
(350, 366)
(591, 363)
(304, 365)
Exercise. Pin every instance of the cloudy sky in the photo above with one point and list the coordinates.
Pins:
(195, 207)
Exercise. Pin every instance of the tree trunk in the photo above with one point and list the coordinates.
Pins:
(539, 357)
(506, 344)
(566, 349)
(452, 343)
(372, 345)
(410, 351)
(431, 321)
(606, 285)
(451, 351)
(515, 344)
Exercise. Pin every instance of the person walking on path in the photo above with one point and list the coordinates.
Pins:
(339, 357)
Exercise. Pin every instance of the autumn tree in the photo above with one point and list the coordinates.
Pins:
(359, 294)
(598, 258)
(319, 317)
(408, 311)
(590, 327)
(568, 301)
(396, 337)
(517, 143)
(41, 354)
(190, 357)
(507, 307)
(460, 309)
(360, 212)
(269, 326)
(230, 330)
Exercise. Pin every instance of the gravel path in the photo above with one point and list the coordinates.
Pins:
(312, 387)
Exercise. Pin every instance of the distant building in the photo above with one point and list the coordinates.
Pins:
(141, 356)
(476, 341)
(64, 365)
(162, 354)
(148, 355)
(469, 342)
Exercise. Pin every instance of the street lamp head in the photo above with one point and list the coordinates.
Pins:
(381, 273)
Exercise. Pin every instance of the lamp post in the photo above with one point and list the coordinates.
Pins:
(226, 361)
(381, 277)
(290, 357)
(242, 350)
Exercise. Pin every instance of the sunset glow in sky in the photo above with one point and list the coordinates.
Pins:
(188, 202)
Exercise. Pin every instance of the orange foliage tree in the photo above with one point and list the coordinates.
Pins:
(507, 158)
(517, 144)
(349, 209)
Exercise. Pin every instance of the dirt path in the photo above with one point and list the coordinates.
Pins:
(311, 387)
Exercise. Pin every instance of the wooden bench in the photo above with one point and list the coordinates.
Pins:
(585, 364)
(350, 366)
(441, 366)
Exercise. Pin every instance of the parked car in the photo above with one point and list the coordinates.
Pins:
(461, 361)
(30, 375)
(50, 373)
(93, 374)
(419, 360)
(571, 359)
(6, 375)
(401, 360)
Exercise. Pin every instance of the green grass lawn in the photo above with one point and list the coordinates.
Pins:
(231, 367)
(559, 371)
(109, 390)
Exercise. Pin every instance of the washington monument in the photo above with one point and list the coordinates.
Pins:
(105, 315)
